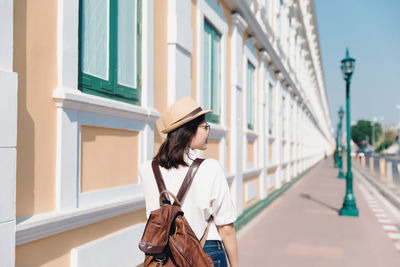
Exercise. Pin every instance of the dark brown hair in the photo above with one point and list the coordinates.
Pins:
(171, 152)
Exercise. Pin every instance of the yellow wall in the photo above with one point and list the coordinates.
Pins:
(160, 63)
(227, 16)
(35, 61)
(251, 202)
(194, 57)
(250, 151)
(270, 152)
(212, 149)
(54, 251)
(110, 158)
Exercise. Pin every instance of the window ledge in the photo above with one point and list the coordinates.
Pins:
(251, 135)
(217, 131)
(51, 223)
(76, 100)
(272, 167)
(250, 173)
(285, 163)
(230, 177)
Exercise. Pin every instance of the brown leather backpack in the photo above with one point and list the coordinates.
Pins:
(168, 239)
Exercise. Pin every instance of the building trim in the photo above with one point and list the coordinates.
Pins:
(251, 173)
(51, 223)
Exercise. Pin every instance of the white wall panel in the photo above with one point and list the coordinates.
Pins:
(119, 249)
(8, 109)
(7, 184)
(251, 191)
(7, 244)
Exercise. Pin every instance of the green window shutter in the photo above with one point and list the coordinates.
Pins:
(250, 96)
(212, 72)
(207, 83)
(110, 49)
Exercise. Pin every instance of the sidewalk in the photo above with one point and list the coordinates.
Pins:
(303, 228)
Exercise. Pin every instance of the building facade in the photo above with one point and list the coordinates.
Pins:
(83, 83)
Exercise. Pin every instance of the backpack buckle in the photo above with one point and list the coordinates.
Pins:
(160, 261)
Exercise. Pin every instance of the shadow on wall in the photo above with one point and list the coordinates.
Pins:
(35, 61)
(26, 129)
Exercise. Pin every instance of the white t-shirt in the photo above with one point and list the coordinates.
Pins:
(208, 195)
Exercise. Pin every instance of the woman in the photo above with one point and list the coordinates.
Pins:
(208, 198)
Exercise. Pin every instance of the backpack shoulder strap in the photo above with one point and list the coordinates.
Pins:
(188, 179)
(164, 199)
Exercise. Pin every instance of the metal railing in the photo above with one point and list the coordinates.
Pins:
(384, 168)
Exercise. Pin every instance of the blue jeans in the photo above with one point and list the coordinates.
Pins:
(215, 249)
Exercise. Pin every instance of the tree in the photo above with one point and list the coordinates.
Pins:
(390, 135)
(361, 133)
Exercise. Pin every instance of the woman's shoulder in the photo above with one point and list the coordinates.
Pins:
(211, 166)
(211, 163)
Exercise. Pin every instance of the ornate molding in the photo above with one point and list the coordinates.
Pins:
(239, 22)
(265, 56)
(280, 77)
(252, 40)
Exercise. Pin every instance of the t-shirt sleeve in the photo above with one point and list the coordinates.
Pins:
(222, 207)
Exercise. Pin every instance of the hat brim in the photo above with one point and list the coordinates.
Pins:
(182, 122)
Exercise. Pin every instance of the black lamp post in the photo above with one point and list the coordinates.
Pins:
(340, 145)
(349, 205)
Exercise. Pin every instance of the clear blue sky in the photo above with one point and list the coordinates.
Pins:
(371, 31)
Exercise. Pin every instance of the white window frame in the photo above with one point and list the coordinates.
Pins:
(213, 12)
(250, 55)
(75, 108)
(271, 80)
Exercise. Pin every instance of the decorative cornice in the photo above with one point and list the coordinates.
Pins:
(280, 77)
(252, 40)
(265, 56)
(238, 21)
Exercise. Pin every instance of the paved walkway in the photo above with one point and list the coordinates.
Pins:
(302, 228)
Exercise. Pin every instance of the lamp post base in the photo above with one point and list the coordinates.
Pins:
(341, 174)
(349, 206)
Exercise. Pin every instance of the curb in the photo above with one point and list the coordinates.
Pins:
(256, 208)
(389, 195)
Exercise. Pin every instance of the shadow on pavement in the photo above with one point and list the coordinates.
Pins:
(308, 196)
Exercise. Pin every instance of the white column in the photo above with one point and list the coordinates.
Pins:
(238, 27)
(262, 122)
(8, 135)
(279, 125)
(180, 46)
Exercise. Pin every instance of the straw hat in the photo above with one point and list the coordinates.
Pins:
(181, 112)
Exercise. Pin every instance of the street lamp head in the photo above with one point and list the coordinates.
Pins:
(347, 66)
(341, 113)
